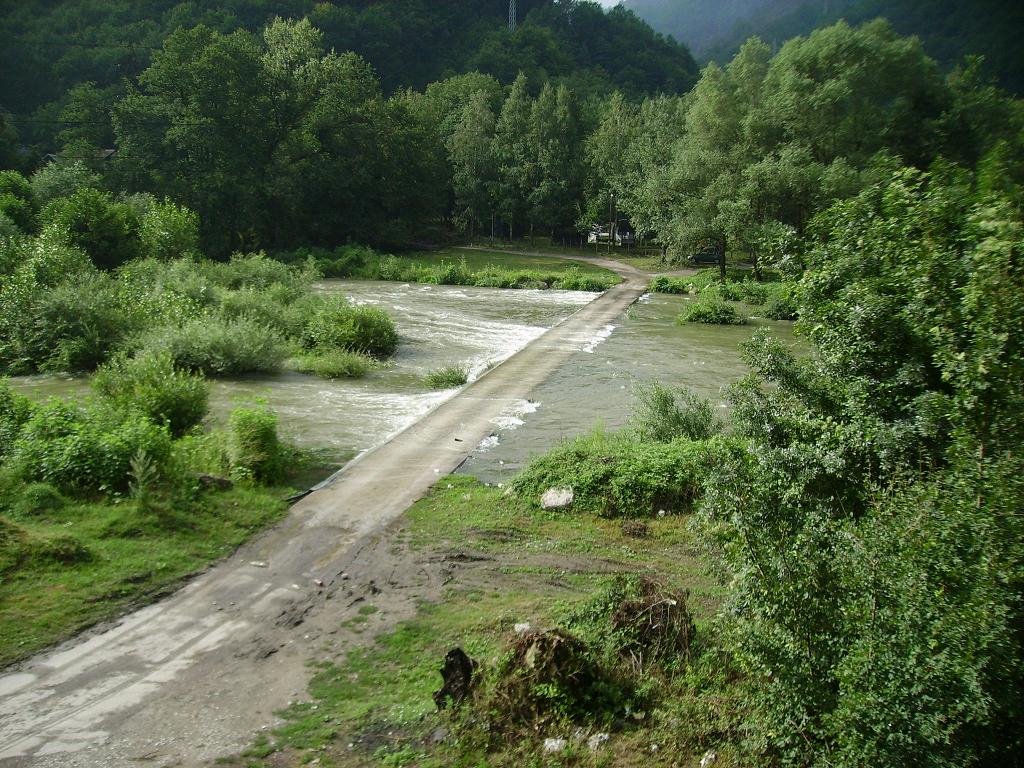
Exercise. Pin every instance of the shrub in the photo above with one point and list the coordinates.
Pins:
(85, 448)
(60, 179)
(447, 377)
(637, 622)
(266, 307)
(729, 290)
(256, 271)
(753, 292)
(38, 499)
(217, 347)
(617, 476)
(573, 279)
(673, 285)
(76, 325)
(18, 201)
(338, 325)
(711, 310)
(547, 678)
(150, 383)
(15, 410)
(168, 231)
(334, 364)
(781, 303)
(663, 414)
(9, 231)
(254, 452)
(108, 231)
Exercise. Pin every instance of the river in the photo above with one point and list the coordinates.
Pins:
(477, 327)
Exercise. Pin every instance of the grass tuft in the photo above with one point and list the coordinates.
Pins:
(448, 377)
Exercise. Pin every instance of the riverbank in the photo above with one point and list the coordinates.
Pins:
(482, 268)
(232, 639)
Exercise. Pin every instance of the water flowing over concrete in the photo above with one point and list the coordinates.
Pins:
(193, 676)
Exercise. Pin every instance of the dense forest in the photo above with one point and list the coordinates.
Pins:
(63, 65)
(949, 31)
(862, 505)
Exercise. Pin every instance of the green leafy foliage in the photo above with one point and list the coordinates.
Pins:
(91, 220)
(663, 414)
(15, 410)
(253, 450)
(711, 309)
(151, 384)
(18, 201)
(865, 524)
(333, 364)
(337, 325)
(617, 476)
(168, 231)
(216, 347)
(85, 447)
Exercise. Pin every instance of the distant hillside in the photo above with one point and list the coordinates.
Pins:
(701, 25)
(49, 49)
(991, 28)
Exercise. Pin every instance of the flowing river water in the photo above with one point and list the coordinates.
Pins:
(477, 327)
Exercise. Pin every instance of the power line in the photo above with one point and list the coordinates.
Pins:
(73, 44)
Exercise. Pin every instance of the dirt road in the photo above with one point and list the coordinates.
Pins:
(194, 676)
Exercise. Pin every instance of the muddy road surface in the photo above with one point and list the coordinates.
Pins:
(195, 676)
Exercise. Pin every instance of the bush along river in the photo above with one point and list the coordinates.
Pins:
(596, 386)
(466, 327)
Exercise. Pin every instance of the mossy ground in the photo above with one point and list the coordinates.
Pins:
(514, 563)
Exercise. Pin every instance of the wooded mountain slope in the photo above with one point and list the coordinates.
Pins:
(949, 31)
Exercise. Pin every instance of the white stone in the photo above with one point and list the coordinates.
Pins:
(708, 759)
(522, 629)
(555, 745)
(557, 498)
(597, 741)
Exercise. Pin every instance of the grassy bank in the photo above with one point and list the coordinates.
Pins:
(524, 565)
(252, 314)
(485, 269)
(775, 297)
(110, 501)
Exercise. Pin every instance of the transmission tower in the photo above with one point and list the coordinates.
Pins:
(512, 17)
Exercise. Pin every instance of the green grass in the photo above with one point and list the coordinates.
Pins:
(374, 706)
(478, 260)
(333, 364)
(487, 269)
(448, 377)
(132, 556)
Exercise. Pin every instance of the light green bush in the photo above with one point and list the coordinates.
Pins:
(338, 325)
(15, 410)
(663, 414)
(217, 347)
(85, 447)
(151, 384)
(37, 499)
(91, 220)
(333, 364)
(711, 310)
(168, 231)
(253, 450)
(781, 303)
(618, 476)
